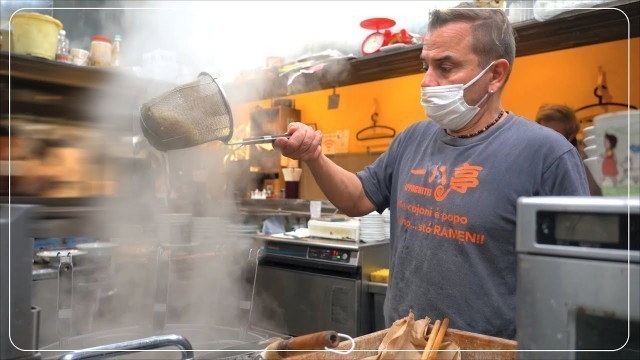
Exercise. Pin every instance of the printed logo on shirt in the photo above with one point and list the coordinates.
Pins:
(464, 177)
(441, 182)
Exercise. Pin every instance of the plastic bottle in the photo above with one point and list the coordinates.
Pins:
(115, 50)
(61, 36)
(62, 50)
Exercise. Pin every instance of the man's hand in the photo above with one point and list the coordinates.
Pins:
(304, 143)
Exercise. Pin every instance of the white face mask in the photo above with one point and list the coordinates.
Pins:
(446, 106)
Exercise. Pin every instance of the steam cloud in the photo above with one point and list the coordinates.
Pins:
(224, 39)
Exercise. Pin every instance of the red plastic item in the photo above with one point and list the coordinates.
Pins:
(377, 23)
(101, 38)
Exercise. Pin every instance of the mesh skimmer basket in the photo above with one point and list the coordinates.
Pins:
(189, 115)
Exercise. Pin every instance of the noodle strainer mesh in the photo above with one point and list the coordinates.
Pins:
(188, 115)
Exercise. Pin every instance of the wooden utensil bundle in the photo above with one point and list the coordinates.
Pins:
(435, 339)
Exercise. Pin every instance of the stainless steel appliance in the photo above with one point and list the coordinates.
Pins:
(309, 284)
(578, 276)
(18, 322)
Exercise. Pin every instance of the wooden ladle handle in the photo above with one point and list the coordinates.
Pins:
(315, 341)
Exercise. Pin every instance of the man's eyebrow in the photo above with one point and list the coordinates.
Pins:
(442, 58)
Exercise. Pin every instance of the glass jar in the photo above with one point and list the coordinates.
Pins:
(100, 51)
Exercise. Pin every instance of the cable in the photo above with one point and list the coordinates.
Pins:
(343, 352)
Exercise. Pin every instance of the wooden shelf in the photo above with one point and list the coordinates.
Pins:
(52, 91)
(571, 29)
(26, 68)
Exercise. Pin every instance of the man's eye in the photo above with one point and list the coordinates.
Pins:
(445, 69)
(424, 68)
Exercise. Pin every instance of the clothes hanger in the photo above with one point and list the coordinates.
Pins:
(601, 85)
(376, 131)
(603, 103)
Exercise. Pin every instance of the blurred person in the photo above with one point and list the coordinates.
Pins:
(452, 182)
(563, 119)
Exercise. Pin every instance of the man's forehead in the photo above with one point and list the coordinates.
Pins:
(451, 38)
(458, 30)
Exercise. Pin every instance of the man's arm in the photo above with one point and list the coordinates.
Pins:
(341, 187)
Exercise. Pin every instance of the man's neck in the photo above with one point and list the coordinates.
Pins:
(483, 118)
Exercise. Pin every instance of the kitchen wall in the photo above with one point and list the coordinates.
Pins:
(566, 76)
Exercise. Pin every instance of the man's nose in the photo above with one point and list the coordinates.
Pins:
(429, 79)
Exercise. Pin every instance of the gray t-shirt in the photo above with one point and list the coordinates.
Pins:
(453, 216)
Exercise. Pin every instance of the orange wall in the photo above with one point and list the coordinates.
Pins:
(566, 76)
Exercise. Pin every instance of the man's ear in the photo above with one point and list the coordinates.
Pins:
(499, 74)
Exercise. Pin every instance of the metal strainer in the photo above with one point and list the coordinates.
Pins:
(190, 115)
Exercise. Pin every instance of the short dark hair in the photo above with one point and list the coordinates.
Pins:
(501, 43)
(613, 140)
(561, 114)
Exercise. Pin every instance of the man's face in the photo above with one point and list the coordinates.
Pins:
(448, 59)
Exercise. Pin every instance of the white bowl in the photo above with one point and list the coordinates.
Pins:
(591, 151)
(589, 130)
(589, 141)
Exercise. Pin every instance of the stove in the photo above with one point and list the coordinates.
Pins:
(312, 284)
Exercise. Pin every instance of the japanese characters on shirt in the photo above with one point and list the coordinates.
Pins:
(442, 182)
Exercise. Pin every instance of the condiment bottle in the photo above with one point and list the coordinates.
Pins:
(100, 51)
(115, 50)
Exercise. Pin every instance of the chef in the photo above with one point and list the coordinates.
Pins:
(452, 182)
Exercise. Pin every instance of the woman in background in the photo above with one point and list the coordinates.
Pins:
(563, 120)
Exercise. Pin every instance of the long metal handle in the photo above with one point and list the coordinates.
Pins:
(132, 346)
(253, 288)
(64, 321)
(260, 140)
(161, 289)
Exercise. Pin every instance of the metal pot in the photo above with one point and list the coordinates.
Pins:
(202, 337)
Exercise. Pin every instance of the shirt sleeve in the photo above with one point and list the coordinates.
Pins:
(377, 178)
(565, 176)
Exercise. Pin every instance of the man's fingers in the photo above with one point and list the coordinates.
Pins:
(303, 143)
(315, 150)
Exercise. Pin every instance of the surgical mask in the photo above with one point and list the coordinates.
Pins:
(446, 106)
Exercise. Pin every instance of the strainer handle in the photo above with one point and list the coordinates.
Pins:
(259, 140)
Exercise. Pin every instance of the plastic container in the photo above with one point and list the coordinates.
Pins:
(80, 56)
(35, 34)
(100, 51)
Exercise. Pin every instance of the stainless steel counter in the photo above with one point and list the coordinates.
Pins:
(341, 244)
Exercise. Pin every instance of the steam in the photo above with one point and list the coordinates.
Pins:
(207, 282)
(226, 38)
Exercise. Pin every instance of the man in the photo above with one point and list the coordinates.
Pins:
(452, 182)
(563, 119)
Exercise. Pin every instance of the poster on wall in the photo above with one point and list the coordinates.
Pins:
(617, 143)
(335, 143)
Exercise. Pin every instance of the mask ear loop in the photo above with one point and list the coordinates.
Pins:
(478, 76)
(343, 352)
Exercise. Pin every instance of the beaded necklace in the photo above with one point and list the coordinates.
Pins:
(483, 129)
